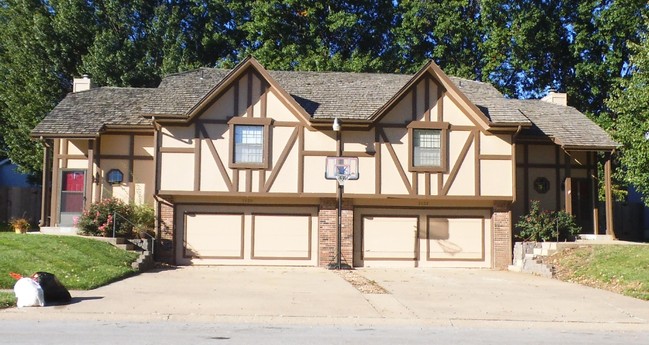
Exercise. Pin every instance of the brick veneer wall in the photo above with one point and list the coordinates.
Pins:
(501, 223)
(328, 232)
(164, 248)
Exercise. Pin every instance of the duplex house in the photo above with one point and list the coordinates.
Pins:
(234, 162)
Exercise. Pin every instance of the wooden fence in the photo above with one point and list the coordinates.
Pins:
(20, 202)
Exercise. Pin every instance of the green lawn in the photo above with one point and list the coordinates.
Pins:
(7, 299)
(79, 263)
(622, 269)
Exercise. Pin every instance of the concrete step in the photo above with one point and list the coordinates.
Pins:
(144, 262)
(593, 237)
(125, 246)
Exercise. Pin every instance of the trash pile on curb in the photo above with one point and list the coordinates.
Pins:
(42, 288)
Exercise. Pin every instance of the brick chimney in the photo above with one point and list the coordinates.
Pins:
(560, 98)
(81, 84)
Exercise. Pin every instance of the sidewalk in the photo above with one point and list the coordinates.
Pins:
(416, 297)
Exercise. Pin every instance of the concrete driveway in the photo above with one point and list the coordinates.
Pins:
(416, 297)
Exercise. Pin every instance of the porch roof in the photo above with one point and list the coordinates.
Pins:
(566, 126)
(87, 113)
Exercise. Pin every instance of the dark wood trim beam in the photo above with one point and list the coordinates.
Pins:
(174, 150)
(281, 160)
(427, 99)
(217, 159)
(249, 105)
(458, 164)
(476, 163)
(197, 157)
(397, 163)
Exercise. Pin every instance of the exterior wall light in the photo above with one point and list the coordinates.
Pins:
(336, 125)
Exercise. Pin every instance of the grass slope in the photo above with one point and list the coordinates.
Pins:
(79, 263)
(621, 269)
(7, 300)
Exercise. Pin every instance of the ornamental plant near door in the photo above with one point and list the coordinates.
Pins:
(98, 219)
(20, 225)
(544, 225)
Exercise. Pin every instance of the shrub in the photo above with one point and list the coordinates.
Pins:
(143, 219)
(98, 219)
(543, 225)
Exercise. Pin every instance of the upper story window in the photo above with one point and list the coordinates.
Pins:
(249, 143)
(428, 146)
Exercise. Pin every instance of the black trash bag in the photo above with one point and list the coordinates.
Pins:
(53, 290)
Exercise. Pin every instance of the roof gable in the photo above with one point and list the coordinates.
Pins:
(247, 65)
(472, 111)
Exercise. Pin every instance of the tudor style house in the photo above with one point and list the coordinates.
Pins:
(234, 163)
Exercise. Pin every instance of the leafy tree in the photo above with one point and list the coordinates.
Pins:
(522, 46)
(40, 48)
(526, 46)
(629, 103)
(315, 35)
(445, 31)
(601, 35)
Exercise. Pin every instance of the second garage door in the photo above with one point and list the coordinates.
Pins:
(250, 235)
(422, 237)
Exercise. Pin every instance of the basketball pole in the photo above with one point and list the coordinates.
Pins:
(340, 220)
(339, 147)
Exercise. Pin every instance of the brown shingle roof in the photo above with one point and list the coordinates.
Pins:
(177, 93)
(491, 102)
(565, 125)
(323, 95)
(326, 95)
(86, 113)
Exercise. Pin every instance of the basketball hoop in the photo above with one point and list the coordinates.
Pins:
(341, 169)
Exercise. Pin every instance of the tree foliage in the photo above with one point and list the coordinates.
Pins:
(523, 47)
(630, 105)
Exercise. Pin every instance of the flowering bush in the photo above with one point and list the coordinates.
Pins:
(98, 219)
(543, 225)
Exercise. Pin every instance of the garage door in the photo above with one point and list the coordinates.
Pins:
(422, 238)
(247, 235)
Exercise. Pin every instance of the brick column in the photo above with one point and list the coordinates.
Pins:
(164, 250)
(501, 225)
(328, 232)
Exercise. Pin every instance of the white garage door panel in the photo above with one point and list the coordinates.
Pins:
(389, 237)
(282, 236)
(456, 238)
(214, 235)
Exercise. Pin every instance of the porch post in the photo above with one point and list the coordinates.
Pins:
(90, 174)
(609, 196)
(594, 191)
(568, 184)
(45, 187)
(55, 187)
